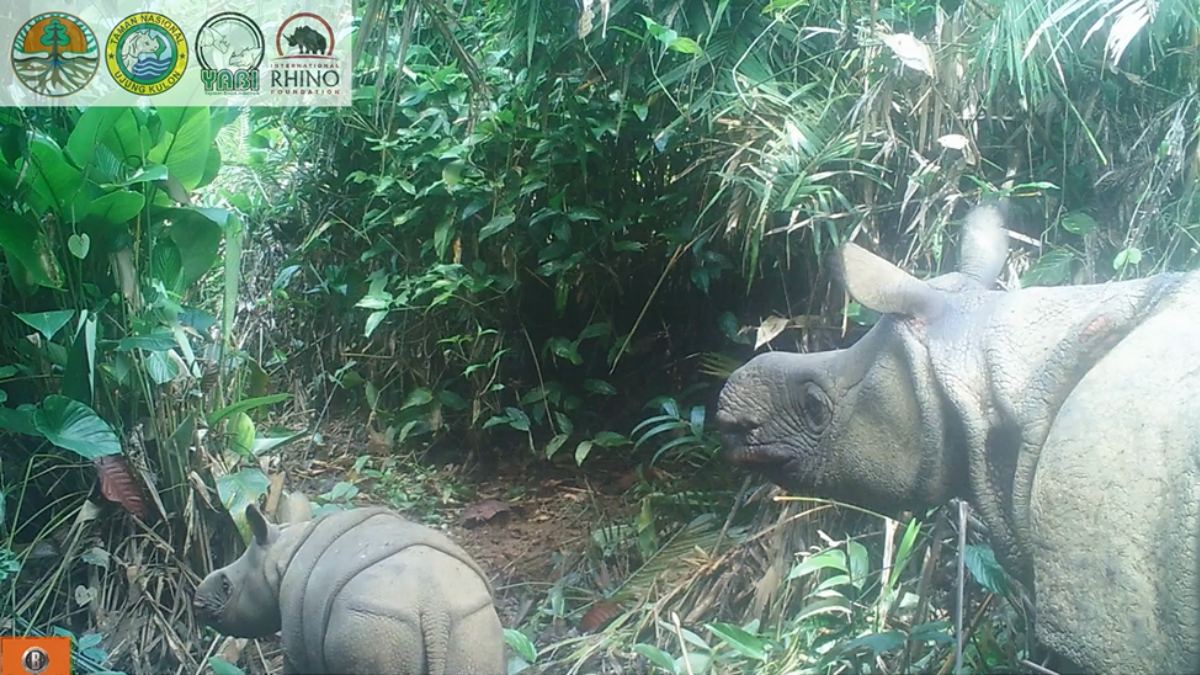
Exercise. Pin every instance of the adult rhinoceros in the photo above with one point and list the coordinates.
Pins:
(1069, 417)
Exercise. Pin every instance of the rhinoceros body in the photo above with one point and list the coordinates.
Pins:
(360, 592)
(1068, 416)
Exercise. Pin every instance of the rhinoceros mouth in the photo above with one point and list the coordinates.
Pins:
(210, 601)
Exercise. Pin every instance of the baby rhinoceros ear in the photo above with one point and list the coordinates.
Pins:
(264, 532)
(880, 286)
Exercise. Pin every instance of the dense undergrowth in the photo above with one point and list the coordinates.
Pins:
(545, 236)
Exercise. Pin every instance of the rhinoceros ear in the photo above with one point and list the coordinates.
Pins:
(258, 525)
(881, 286)
(984, 243)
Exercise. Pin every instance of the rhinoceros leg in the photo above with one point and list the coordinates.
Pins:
(1115, 506)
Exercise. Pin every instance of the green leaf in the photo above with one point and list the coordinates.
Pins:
(79, 245)
(241, 439)
(517, 419)
(877, 643)
(90, 129)
(417, 397)
(79, 376)
(555, 444)
(657, 657)
(47, 323)
(860, 563)
(1127, 257)
(684, 45)
(980, 560)
(1079, 223)
(118, 206)
(222, 667)
(496, 226)
(442, 235)
(239, 490)
(24, 241)
(161, 367)
(184, 145)
(1051, 269)
(744, 643)
(831, 558)
(198, 235)
(74, 426)
(157, 342)
(247, 404)
(373, 321)
(520, 644)
(599, 387)
(264, 444)
(581, 451)
(22, 420)
(56, 184)
(610, 439)
(565, 349)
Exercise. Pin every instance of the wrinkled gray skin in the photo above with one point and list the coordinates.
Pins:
(357, 592)
(1068, 416)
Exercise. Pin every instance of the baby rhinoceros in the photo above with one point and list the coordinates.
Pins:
(359, 592)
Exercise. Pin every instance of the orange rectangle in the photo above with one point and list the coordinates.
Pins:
(35, 656)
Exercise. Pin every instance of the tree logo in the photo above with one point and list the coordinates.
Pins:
(146, 53)
(230, 47)
(55, 54)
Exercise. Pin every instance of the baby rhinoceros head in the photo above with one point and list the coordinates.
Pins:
(241, 599)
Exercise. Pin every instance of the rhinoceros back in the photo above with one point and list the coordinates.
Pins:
(369, 589)
(1115, 505)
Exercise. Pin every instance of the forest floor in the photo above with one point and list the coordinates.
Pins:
(527, 522)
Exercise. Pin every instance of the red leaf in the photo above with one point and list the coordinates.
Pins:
(118, 485)
(599, 616)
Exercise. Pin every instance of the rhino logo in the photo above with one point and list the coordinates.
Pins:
(309, 40)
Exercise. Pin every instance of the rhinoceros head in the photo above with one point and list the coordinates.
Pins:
(866, 424)
(241, 599)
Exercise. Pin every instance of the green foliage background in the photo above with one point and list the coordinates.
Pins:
(541, 232)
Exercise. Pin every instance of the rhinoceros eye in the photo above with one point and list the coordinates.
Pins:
(818, 412)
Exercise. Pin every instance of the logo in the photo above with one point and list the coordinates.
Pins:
(230, 47)
(55, 54)
(146, 53)
(35, 656)
(305, 63)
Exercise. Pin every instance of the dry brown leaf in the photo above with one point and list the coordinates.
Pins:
(480, 512)
(118, 485)
(770, 329)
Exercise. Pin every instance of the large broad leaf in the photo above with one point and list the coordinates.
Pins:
(23, 241)
(166, 265)
(185, 144)
(241, 440)
(239, 490)
(74, 426)
(129, 137)
(247, 404)
(118, 206)
(94, 126)
(55, 182)
(22, 420)
(47, 323)
(79, 378)
(197, 233)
